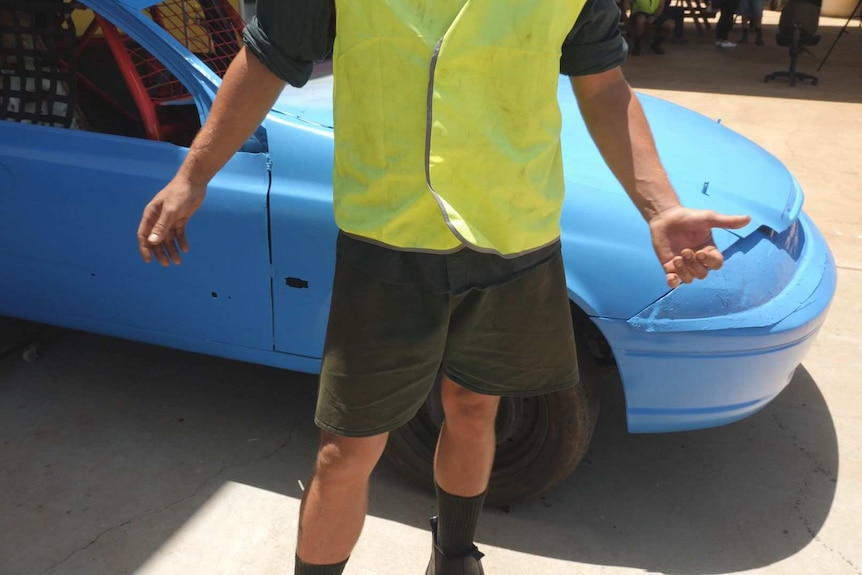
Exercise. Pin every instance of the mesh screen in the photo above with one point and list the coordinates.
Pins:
(37, 62)
(211, 29)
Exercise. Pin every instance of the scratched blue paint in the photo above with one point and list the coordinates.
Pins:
(70, 203)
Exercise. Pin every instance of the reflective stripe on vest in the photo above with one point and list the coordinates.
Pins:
(447, 122)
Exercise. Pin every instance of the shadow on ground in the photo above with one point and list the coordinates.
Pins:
(723, 500)
(116, 443)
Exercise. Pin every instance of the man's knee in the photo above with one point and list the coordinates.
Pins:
(468, 410)
(348, 458)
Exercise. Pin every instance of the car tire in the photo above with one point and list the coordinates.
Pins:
(540, 440)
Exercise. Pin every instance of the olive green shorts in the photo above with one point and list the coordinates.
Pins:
(495, 326)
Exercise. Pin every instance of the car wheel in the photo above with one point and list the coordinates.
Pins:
(540, 440)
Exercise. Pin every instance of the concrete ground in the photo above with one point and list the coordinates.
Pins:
(120, 458)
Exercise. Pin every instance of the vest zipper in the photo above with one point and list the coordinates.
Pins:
(428, 120)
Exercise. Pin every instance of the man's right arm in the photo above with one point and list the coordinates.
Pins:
(247, 93)
(273, 55)
(282, 42)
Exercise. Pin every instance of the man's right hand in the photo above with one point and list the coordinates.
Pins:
(162, 232)
(246, 94)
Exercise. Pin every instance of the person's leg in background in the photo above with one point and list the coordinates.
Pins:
(625, 7)
(638, 23)
(663, 25)
(745, 18)
(674, 14)
(677, 14)
(751, 13)
(757, 21)
(725, 23)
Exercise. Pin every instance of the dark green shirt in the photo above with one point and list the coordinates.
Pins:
(289, 36)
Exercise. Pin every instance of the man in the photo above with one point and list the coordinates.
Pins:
(448, 188)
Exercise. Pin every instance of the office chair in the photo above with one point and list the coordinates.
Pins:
(797, 29)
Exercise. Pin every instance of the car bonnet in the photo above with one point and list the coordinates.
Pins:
(710, 166)
(312, 103)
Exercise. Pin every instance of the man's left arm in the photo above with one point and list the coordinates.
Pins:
(682, 237)
(616, 122)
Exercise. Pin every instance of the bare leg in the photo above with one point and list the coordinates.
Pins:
(465, 450)
(336, 498)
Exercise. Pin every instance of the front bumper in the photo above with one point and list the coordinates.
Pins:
(683, 371)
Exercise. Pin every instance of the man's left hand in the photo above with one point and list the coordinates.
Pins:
(682, 239)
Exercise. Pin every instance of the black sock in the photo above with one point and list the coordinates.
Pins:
(303, 568)
(457, 520)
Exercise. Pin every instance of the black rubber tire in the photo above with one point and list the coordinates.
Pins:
(540, 440)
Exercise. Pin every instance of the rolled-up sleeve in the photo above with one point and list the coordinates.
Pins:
(289, 36)
(595, 44)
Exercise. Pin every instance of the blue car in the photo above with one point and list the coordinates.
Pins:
(99, 116)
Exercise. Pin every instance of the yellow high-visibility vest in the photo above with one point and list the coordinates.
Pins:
(645, 6)
(447, 126)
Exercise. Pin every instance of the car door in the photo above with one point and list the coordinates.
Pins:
(70, 204)
(303, 234)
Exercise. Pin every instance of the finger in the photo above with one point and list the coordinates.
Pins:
(694, 265)
(150, 216)
(171, 248)
(144, 249)
(160, 254)
(145, 252)
(682, 270)
(161, 229)
(672, 281)
(717, 220)
(182, 239)
(710, 257)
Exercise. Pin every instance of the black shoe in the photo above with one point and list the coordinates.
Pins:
(469, 564)
(758, 37)
(656, 47)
